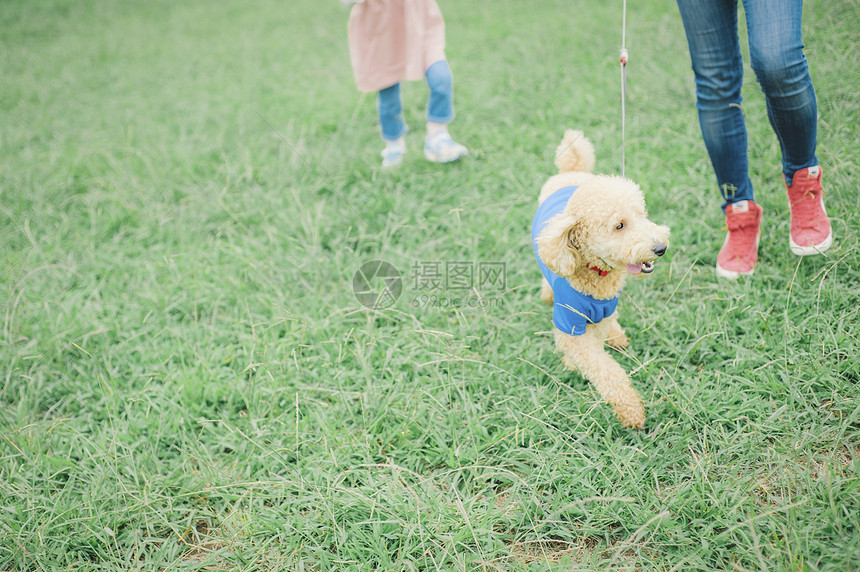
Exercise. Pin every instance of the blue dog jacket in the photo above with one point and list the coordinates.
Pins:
(571, 309)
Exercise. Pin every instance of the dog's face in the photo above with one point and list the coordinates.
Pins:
(604, 225)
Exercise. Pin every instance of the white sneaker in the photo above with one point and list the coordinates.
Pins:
(440, 148)
(393, 153)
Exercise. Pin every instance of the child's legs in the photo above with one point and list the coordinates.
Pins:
(391, 113)
(440, 107)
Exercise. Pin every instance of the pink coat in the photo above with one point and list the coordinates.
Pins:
(394, 40)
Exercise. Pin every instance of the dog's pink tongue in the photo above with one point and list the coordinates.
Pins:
(634, 268)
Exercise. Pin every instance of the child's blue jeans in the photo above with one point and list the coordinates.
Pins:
(776, 57)
(440, 106)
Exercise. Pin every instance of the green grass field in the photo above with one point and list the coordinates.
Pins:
(189, 383)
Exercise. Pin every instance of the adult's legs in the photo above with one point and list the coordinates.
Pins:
(711, 27)
(776, 56)
(712, 34)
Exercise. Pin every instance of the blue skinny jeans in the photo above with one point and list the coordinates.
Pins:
(776, 57)
(440, 105)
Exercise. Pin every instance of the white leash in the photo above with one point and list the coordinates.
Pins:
(622, 60)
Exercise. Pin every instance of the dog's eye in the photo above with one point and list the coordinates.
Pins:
(619, 226)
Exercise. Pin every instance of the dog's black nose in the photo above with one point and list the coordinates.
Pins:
(660, 249)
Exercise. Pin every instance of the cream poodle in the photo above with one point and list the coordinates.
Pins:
(589, 234)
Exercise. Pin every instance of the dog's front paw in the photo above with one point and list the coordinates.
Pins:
(619, 341)
(615, 336)
(630, 411)
(631, 417)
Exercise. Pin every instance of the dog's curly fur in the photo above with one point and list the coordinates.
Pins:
(605, 226)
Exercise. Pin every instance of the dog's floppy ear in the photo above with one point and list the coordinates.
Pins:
(558, 245)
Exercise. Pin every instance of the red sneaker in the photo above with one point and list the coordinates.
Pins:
(739, 254)
(810, 228)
